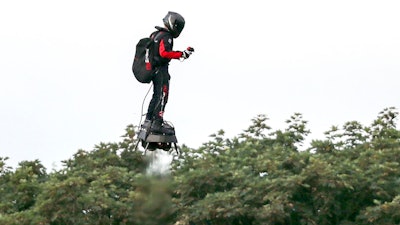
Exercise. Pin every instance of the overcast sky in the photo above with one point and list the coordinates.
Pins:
(66, 81)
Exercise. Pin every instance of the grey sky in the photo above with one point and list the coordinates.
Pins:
(66, 80)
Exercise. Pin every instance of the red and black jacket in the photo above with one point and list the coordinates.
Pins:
(163, 48)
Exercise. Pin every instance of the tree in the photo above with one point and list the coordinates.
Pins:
(20, 189)
(259, 177)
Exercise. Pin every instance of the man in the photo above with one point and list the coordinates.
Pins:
(163, 53)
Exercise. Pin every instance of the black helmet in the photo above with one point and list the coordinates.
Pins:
(175, 23)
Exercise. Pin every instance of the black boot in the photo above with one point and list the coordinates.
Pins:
(158, 127)
(146, 124)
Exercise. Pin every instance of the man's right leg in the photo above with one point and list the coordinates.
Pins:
(155, 100)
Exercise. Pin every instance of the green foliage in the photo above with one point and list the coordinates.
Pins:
(294, 134)
(259, 177)
(4, 169)
(382, 213)
(20, 188)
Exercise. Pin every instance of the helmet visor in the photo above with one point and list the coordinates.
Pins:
(178, 28)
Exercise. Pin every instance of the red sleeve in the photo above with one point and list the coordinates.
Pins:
(166, 54)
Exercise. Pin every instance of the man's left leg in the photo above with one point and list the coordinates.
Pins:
(158, 123)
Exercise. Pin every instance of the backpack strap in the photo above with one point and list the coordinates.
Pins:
(158, 34)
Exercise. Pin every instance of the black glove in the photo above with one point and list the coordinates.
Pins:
(190, 49)
(186, 53)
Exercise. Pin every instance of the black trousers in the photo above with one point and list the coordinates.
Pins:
(160, 95)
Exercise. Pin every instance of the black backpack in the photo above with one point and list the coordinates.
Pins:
(143, 66)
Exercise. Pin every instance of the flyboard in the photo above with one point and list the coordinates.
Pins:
(152, 141)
